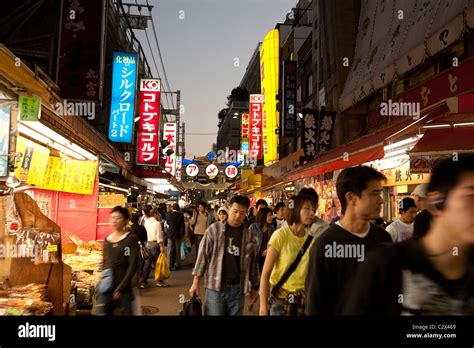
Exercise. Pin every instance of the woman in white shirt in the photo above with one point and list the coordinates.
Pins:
(155, 243)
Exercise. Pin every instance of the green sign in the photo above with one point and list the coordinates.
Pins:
(29, 108)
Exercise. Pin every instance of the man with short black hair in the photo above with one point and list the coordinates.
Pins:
(402, 229)
(175, 226)
(428, 276)
(261, 203)
(228, 261)
(279, 219)
(342, 247)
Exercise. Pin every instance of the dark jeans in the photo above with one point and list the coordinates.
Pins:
(229, 301)
(154, 248)
(174, 252)
(107, 306)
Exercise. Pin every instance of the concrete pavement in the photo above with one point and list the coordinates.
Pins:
(169, 300)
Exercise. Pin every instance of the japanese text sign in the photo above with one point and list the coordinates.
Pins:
(231, 171)
(192, 170)
(123, 97)
(289, 98)
(309, 138)
(255, 136)
(169, 134)
(148, 127)
(245, 133)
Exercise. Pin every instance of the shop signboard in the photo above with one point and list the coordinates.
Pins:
(4, 139)
(245, 133)
(169, 134)
(81, 50)
(212, 171)
(326, 122)
(256, 102)
(269, 77)
(309, 138)
(148, 127)
(122, 105)
(179, 166)
(32, 165)
(29, 108)
(111, 200)
(231, 171)
(192, 170)
(289, 98)
(69, 176)
(404, 175)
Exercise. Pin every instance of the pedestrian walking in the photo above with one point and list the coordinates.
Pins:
(261, 203)
(200, 222)
(286, 263)
(263, 230)
(212, 216)
(222, 214)
(228, 262)
(422, 221)
(428, 276)
(115, 289)
(342, 247)
(155, 242)
(176, 230)
(318, 226)
(402, 228)
(279, 219)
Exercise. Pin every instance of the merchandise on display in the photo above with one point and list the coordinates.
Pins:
(31, 299)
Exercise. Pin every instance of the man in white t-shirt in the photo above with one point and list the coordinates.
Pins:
(402, 229)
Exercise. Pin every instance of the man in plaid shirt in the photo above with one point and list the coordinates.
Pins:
(228, 261)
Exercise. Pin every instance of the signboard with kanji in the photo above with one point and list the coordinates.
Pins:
(192, 170)
(29, 108)
(148, 127)
(325, 130)
(81, 49)
(231, 171)
(289, 98)
(212, 171)
(309, 143)
(179, 165)
(123, 97)
(255, 136)
(245, 133)
(169, 134)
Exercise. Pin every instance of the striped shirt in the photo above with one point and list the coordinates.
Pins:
(210, 259)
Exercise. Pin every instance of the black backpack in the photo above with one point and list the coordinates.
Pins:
(192, 308)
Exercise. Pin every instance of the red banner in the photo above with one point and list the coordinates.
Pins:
(148, 127)
(256, 103)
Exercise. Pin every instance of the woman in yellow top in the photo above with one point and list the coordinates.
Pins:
(283, 248)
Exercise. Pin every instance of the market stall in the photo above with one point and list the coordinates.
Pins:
(34, 280)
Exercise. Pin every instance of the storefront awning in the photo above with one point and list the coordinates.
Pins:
(445, 141)
(365, 149)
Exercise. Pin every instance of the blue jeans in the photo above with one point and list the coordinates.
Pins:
(154, 248)
(107, 306)
(229, 301)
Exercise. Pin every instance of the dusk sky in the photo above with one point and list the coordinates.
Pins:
(199, 52)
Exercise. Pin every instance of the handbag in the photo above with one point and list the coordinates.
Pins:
(145, 253)
(292, 268)
(106, 283)
(192, 308)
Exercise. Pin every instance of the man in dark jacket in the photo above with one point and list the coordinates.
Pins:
(176, 229)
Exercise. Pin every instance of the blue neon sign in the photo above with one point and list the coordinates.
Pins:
(122, 105)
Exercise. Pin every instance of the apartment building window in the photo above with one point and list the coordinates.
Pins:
(309, 85)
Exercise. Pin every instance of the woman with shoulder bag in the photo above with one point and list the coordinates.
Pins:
(115, 289)
(286, 264)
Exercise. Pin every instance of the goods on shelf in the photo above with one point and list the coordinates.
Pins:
(31, 299)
